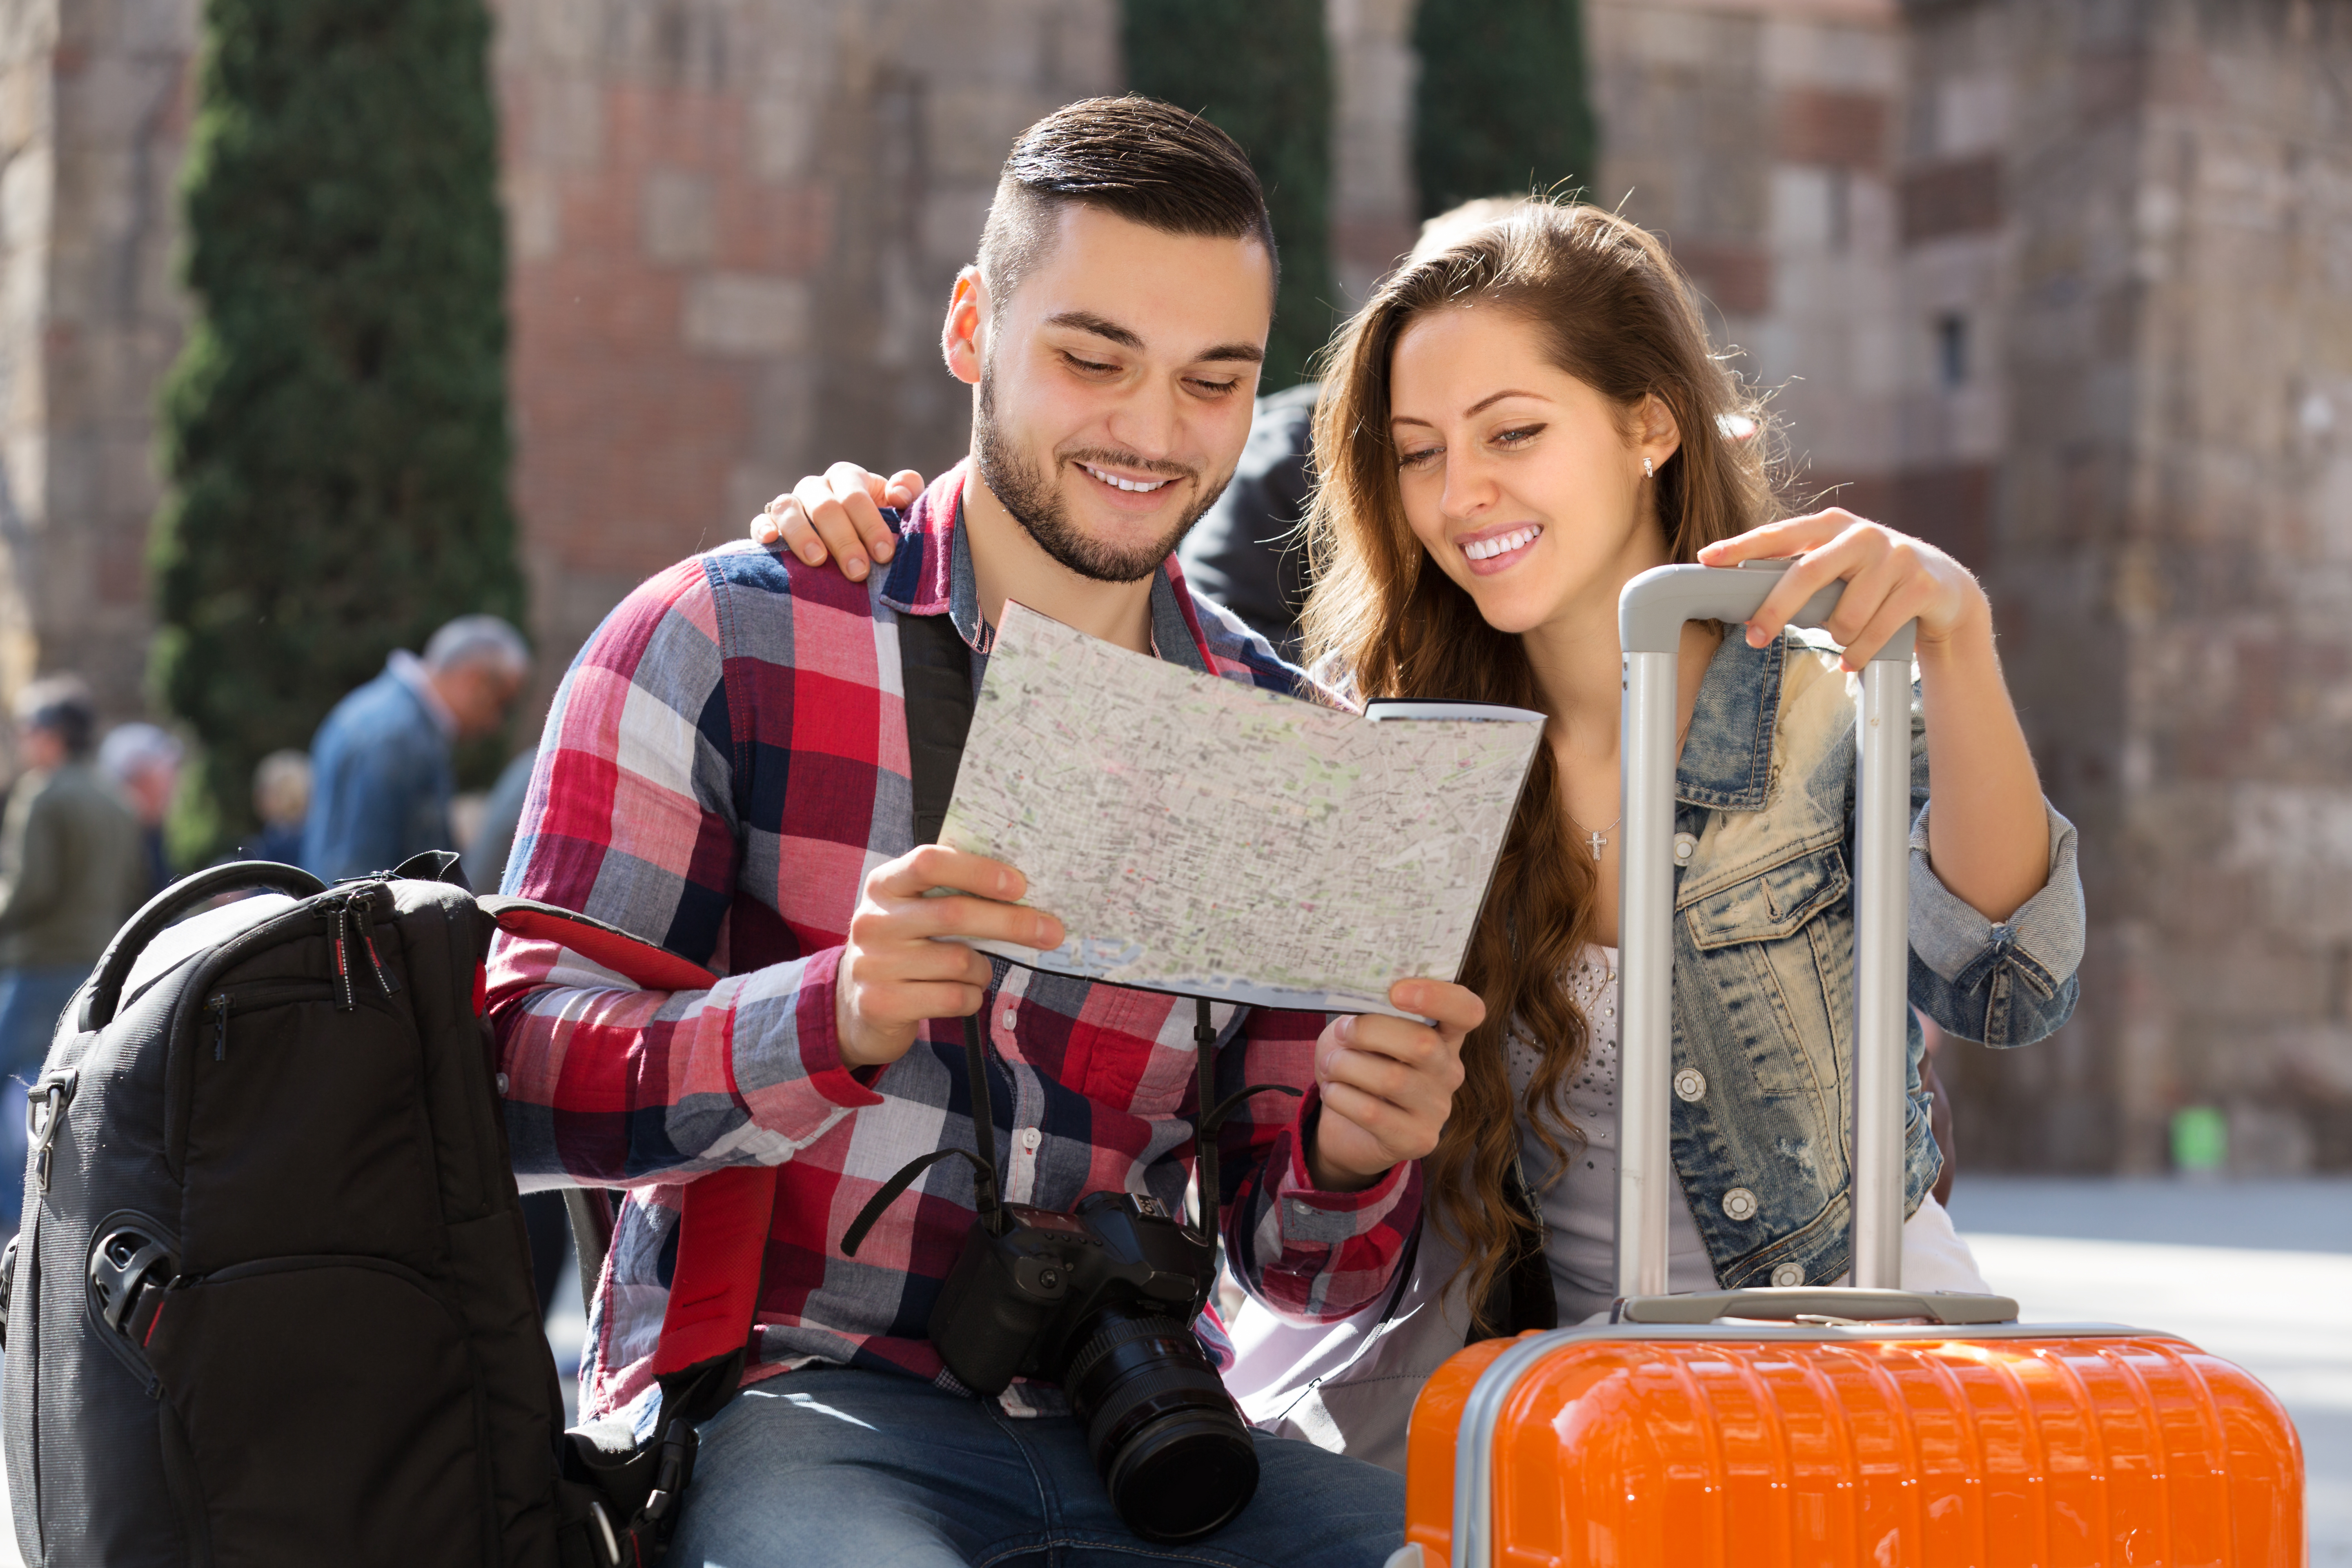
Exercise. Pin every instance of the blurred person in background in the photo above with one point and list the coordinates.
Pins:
(281, 798)
(381, 764)
(72, 868)
(142, 762)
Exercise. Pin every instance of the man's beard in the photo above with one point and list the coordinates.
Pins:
(1036, 503)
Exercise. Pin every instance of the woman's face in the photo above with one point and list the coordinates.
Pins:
(1523, 483)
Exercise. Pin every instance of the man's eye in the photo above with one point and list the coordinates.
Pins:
(1089, 366)
(1214, 388)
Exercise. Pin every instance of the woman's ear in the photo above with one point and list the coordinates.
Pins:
(961, 337)
(1657, 435)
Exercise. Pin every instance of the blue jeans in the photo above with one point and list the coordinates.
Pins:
(830, 1467)
(30, 1001)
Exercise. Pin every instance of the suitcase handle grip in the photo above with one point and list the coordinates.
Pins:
(238, 876)
(1653, 606)
(1788, 1306)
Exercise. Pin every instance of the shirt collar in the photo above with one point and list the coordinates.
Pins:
(1727, 761)
(409, 671)
(931, 574)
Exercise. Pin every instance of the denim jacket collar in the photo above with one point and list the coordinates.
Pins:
(1727, 761)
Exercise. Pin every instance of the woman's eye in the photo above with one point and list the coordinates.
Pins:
(1523, 433)
(1418, 459)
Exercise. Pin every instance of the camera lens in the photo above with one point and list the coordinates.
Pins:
(1171, 1448)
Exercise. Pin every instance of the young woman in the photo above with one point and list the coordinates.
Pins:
(1510, 431)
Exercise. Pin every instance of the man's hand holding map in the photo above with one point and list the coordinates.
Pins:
(1194, 836)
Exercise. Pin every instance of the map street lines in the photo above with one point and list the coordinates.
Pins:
(1196, 836)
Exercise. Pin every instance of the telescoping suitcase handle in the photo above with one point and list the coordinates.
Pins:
(1651, 614)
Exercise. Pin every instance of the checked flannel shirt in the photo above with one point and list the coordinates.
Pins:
(725, 762)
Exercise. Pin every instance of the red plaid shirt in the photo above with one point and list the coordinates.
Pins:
(725, 762)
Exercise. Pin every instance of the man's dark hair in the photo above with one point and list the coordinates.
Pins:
(1142, 160)
(62, 705)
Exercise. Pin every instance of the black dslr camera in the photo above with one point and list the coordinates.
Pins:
(1101, 1301)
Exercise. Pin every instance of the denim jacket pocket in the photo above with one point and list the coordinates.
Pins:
(1773, 905)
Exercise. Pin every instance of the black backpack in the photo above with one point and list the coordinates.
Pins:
(272, 1299)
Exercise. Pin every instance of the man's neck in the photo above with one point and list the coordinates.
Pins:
(1006, 563)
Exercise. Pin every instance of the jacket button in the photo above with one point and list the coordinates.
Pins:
(1788, 1276)
(1739, 1204)
(1690, 1084)
(502, 1086)
(1685, 847)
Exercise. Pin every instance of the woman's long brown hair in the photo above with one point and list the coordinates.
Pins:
(1609, 306)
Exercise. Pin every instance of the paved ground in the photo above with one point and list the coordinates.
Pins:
(2257, 1271)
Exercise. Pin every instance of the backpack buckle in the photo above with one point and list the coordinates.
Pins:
(44, 1109)
(124, 1276)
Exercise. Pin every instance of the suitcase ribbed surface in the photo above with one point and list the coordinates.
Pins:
(1894, 1450)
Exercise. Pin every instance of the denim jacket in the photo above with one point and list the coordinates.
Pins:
(381, 781)
(1764, 936)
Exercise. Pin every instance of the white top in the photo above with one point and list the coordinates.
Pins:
(1580, 1210)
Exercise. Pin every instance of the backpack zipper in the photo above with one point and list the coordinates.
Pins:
(218, 1008)
(349, 917)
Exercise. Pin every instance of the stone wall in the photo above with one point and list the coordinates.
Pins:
(1757, 139)
(94, 99)
(735, 225)
(2171, 547)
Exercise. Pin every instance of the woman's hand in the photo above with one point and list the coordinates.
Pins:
(1989, 836)
(1890, 578)
(838, 515)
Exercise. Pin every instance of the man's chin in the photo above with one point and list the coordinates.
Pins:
(1113, 543)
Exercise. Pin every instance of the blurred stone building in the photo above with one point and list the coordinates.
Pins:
(2065, 285)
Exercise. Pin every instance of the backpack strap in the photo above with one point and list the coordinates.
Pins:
(935, 674)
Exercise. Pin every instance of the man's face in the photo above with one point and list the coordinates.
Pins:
(479, 696)
(39, 748)
(1115, 388)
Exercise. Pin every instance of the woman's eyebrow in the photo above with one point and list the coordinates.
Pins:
(1476, 409)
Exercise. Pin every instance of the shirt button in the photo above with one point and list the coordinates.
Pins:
(1011, 1017)
(1690, 1084)
(1031, 1137)
(1739, 1204)
(1788, 1276)
(1685, 847)
(502, 1086)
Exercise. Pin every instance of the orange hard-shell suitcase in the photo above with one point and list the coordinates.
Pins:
(1823, 1427)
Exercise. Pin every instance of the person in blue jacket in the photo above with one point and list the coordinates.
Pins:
(380, 773)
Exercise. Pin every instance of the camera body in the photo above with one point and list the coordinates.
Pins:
(1014, 1303)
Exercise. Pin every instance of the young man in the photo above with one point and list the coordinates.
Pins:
(725, 771)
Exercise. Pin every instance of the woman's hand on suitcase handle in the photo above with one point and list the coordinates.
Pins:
(1890, 578)
(1388, 1083)
(893, 975)
(1989, 836)
(837, 516)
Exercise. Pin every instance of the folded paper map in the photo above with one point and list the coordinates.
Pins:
(1194, 835)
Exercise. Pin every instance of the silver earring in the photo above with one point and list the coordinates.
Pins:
(1648, 470)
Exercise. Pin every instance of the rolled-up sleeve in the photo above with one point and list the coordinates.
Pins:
(2003, 982)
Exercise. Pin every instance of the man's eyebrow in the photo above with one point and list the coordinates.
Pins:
(1476, 408)
(1088, 321)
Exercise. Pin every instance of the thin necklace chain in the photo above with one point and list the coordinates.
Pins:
(1600, 840)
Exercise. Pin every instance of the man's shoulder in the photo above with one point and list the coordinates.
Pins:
(745, 598)
(377, 707)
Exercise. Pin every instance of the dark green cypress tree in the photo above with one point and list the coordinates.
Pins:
(1502, 107)
(1261, 71)
(335, 432)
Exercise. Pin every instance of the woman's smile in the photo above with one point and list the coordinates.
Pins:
(1500, 548)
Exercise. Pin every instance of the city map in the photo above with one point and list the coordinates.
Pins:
(1197, 836)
